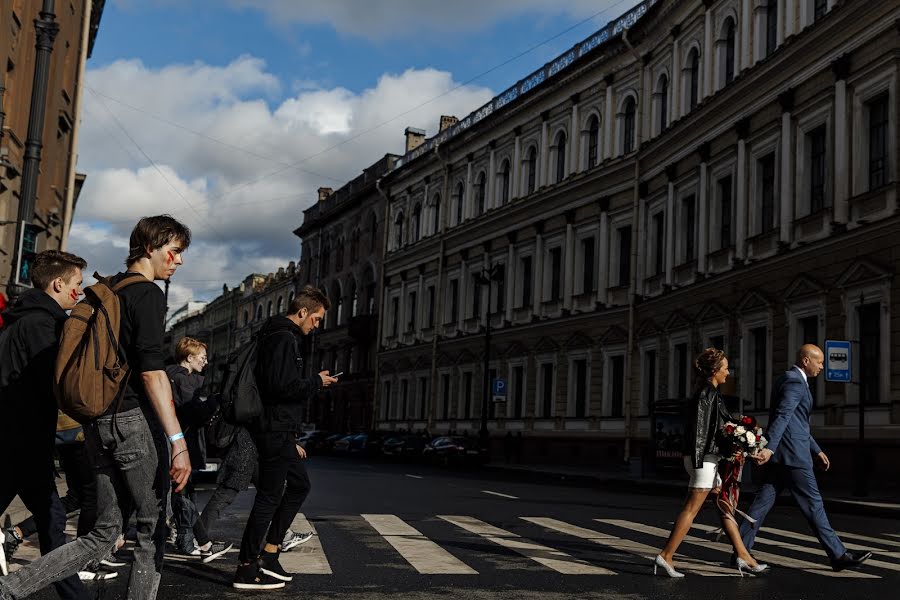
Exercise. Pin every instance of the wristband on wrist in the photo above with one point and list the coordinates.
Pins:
(176, 437)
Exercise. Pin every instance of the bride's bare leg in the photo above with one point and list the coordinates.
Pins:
(731, 530)
(692, 505)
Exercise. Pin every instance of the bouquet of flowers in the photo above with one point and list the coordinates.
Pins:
(744, 438)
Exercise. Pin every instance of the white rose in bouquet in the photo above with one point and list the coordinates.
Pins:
(740, 430)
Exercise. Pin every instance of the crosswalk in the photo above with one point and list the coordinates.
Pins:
(456, 545)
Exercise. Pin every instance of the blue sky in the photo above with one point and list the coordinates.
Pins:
(189, 100)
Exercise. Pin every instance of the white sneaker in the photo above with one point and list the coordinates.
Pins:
(292, 540)
(96, 575)
(3, 568)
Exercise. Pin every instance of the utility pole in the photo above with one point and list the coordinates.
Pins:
(487, 277)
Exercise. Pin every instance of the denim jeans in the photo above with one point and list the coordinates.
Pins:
(185, 516)
(122, 452)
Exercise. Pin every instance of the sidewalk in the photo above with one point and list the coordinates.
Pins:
(877, 504)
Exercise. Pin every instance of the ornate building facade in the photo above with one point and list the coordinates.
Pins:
(699, 173)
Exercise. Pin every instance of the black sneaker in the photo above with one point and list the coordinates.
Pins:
(268, 564)
(250, 577)
(216, 550)
(98, 575)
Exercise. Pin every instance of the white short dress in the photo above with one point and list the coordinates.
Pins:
(707, 476)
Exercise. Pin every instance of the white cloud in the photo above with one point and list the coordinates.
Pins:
(415, 18)
(238, 228)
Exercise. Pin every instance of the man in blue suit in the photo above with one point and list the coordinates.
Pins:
(791, 448)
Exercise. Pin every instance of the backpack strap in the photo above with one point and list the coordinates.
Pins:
(129, 279)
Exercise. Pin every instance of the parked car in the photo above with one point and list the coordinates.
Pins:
(454, 450)
(342, 445)
(314, 442)
(326, 446)
(404, 446)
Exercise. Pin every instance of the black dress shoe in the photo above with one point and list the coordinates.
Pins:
(850, 560)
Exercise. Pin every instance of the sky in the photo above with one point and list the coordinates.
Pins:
(230, 114)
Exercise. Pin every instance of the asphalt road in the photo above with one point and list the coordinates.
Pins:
(389, 530)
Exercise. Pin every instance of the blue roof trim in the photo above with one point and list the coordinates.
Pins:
(534, 80)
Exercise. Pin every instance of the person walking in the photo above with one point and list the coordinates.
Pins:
(705, 414)
(283, 481)
(119, 442)
(789, 461)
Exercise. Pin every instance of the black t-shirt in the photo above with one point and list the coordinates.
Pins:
(143, 314)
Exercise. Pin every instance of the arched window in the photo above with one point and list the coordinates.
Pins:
(373, 228)
(628, 141)
(504, 183)
(593, 145)
(337, 301)
(398, 231)
(371, 300)
(246, 317)
(291, 298)
(436, 214)
(259, 312)
(729, 50)
(339, 255)
(280, 304)
(269, 309)
(694, 78)
(530, 170)
(415, 225)
(560, 156)
(481, 192)
(354, 300)
(662, 102)
(460, 202)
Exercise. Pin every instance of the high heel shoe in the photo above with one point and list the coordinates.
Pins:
(743, 566)
(670, 570)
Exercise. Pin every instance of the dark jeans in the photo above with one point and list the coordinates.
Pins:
(33, 480)
(185, 516)
(124, 458)
(276, 504)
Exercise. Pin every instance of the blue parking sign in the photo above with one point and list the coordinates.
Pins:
(837, 361)
(498, 390)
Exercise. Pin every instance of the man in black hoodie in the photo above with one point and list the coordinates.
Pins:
(28, 347)
(283, 482)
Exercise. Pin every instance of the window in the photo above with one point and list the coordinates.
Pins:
(771, 26)
(694, 83)
(580, 387)
(767, 192)
(500, 285)
(819, 9)
(526, 281)
(680, 363)
(467, 395)
(445, 396)
(809, 334)
(475, 286)
(560, 157)
(649, 379)
(817, 158)
(421, 394)
(878, 141)
(259, 312)
(430, 306)
(555, 274)
(531, 170)
(373, 232)
(547, 373)
(617, 386)
(659, 241)
(593, 142)
(339, 308)
(386, 402)
(398, 231)
(663, 93)
(454, 300)
(354, 301)
(269, 309)
(518, 391)
(460, 202)
(726, 234)
(869, 316)
(729, 51)
(717, 341)
(689, 226)
(587, 275)
(404, 399)
(624, 234)
(416, 224)
(412, 323)
(436, 215)
(370, 294)
(246, 317)
(504, 183)
(628, 144)
(759, 352)
(395, 315)
(481, 193)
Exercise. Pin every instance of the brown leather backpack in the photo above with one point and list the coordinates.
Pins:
(91, 367)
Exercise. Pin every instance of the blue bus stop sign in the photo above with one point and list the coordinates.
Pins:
(837, 361)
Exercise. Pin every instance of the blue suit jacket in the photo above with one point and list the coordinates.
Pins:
(788, 433)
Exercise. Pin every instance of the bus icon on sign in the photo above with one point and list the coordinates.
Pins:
(837, 367)
(837, 356)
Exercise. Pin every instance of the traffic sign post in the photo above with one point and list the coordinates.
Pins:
(837, 361)
(498, 390)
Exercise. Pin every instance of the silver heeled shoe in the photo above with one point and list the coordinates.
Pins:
(670, 571)
(743, 566)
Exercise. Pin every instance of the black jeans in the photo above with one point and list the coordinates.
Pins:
(33, 480)
(276, 504)
(185, 516)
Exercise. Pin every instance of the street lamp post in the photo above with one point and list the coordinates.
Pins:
(486, 277)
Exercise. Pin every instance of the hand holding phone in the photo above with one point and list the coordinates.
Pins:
(338, 374)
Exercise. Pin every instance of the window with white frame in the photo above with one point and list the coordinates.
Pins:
(518, 387)
(386, 399)
(877, 135)
(649, 376)
(559, 154)
(868, 311)
(728, 51)
(530, 170)
(621, 255)
(578, 402)
(771, 26)
(467, 395)
(585, 264)
(656, 240)
(614, 382)
(874, 144)
(421, 397)
(459, 203)
(504, 179)
(661, 104)
(807, 326)
(765, 180)
(692, 78)
(722, 212)
(679, 365)
(524, 280)
(687, 244)
(593, 142)
(415, 226)
(445, 397)
(452, 300)
(756, 363)
(628, 120)
(480, 193)
(546, 396)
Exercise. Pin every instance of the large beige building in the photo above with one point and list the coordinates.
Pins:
(700, 173)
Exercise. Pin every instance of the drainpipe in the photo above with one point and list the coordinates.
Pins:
(630, 422)
(381, 278)
(69, 207)
(439, 288)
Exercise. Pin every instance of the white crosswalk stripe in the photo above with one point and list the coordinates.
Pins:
(308, 558)
(843, 536)
(555, 559)
(424, 555)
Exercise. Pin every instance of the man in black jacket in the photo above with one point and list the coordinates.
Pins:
(283, 482)
(28, 347)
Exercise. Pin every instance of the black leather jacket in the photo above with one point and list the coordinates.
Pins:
(706, 413)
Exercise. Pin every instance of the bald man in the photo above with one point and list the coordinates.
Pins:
(791, 450)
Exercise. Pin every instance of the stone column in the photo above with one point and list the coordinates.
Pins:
(841, 69)
(786, 99)
(745, 51)
(703, 214)
(516, 169)
(609, 125)
(574, 164)
(670, 231)
(467, 201)
(545, 152)
(510, 280)
(538, 281)
(569, 285)
(490, 180)
(707, 54)
(603, 262)
(741, 185)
